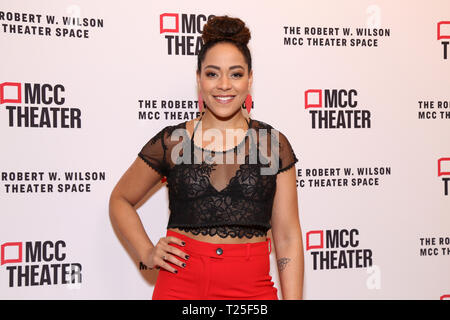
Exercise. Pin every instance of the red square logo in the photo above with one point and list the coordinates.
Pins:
(10, 245)
(169, 22)
(10, 92)
(313, 98)
(314, 240)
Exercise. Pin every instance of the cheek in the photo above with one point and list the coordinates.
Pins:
(206, 86)
(243, 83)
(243, 87)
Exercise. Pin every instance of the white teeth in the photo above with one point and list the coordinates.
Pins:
(224, 98)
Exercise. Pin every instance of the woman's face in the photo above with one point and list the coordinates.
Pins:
(224, 81)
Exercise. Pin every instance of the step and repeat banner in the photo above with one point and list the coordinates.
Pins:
(360, 88)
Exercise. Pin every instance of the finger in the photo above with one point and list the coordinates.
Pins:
(158, 256)
(177, 252)
(174, 259)
(171, 259)
(163, 264)
(178, 241)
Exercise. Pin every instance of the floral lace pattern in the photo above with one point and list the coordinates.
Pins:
(224, 199)
(226, 231)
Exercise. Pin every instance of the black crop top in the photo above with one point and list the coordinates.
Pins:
(228, 193)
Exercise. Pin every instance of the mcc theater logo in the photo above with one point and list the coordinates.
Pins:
(184, 32)
(35, 105)
(336, 109)
(38, 263)
(337, 249)
(443, 33)
(444, 172)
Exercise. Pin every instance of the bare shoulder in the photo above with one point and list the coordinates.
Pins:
(190, 124)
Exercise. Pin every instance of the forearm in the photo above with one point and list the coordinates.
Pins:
(290, 263)
(127, 222)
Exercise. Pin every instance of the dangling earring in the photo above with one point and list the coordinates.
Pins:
(200, 102)
(248, 103)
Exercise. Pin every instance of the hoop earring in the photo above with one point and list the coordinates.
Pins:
(248, 103)
(200, 102)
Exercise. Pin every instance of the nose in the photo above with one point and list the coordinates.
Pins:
(224, 83)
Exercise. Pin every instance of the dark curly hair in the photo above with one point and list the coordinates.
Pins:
(225, 29)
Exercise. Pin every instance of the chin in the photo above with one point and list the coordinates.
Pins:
(224, 112)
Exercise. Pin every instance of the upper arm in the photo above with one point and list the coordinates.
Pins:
(145, 172)
(136, 182)
(285, 218)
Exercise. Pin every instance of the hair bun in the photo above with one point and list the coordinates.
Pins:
(226, 28)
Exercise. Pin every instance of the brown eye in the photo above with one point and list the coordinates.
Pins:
(210, 74)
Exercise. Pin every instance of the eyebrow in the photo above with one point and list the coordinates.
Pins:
(231, 68)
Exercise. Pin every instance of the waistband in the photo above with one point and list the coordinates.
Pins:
(222, 250)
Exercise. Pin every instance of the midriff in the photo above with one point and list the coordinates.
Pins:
(218, 239)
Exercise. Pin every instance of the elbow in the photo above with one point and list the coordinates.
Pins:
(288, 237)
(118, 201)
(112, 205)
(289, 242)
(114, 202)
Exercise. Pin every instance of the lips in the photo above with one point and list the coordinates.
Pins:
(224, 99)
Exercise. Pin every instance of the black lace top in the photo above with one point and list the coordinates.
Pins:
(228, 193)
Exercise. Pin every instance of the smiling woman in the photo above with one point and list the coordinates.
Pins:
(217, 244)
(224, 82)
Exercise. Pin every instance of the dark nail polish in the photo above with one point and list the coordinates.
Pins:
(187, 257)
(176, 271)
(183, 264)
(183, 243)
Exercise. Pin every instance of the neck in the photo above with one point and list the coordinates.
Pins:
(235, 121)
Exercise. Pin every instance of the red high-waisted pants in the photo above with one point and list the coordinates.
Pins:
(218, 272)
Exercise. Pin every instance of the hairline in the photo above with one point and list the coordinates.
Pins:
(236, 44)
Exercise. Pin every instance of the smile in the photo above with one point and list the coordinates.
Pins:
(224, 99)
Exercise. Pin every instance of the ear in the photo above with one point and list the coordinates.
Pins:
(250, 80)
(198, 78)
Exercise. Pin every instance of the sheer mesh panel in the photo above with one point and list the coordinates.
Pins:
(226, 193)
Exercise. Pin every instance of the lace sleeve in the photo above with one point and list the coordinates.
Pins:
(154, 153)
(287, 155)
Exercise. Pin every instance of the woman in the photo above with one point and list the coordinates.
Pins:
(222, 202)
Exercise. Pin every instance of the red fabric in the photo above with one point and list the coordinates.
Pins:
(241, 272)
